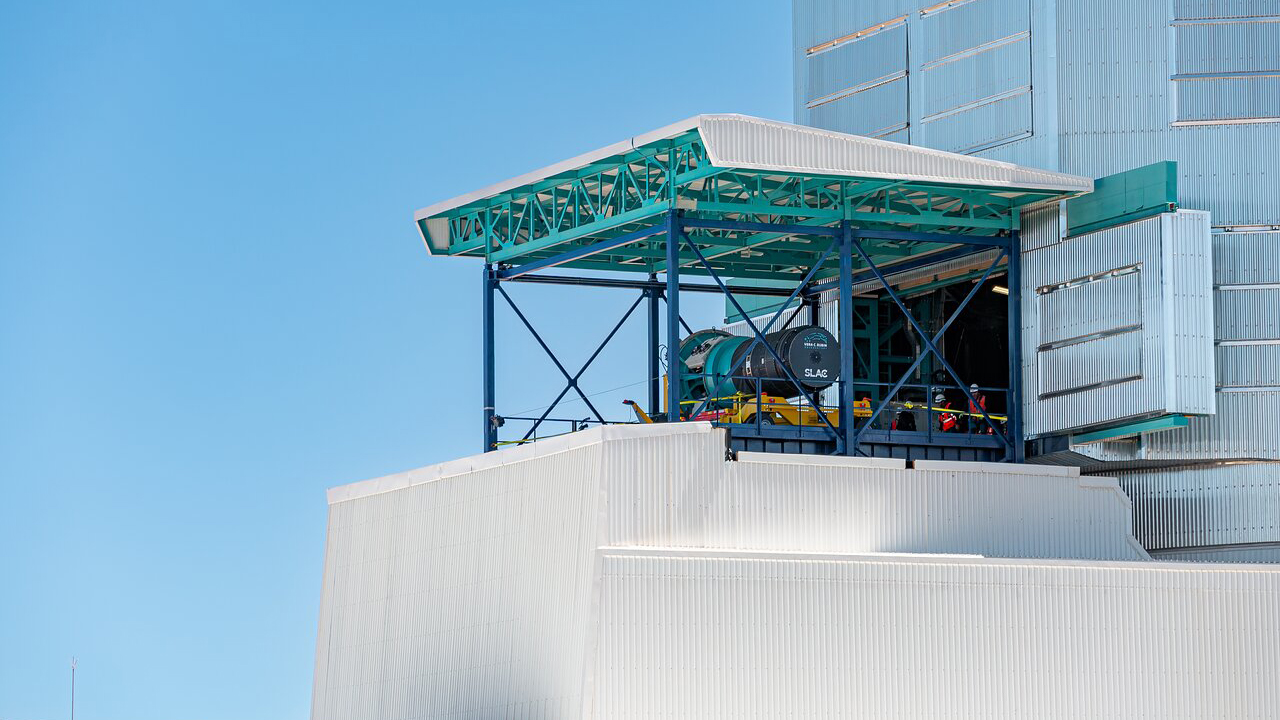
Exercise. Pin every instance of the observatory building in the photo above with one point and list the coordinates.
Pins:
(990, 428)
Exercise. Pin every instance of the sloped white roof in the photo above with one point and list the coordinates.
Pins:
(750, 143)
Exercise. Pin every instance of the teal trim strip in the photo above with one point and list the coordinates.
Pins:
(1166, 422)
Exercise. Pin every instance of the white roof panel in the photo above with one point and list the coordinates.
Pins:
(750, 143)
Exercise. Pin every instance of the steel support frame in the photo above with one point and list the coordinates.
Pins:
(846, 241)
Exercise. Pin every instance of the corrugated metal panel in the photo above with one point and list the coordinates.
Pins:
(1167, 298)
(1246, 258)
(664, 495)
(877, 111)
(738, 635)
(1093, 305)
(756, 144)
(1042, 226)
(1247, 313)
(1104, 361)
(1184, 9)
(858, 62)
(1241, 366)
(1203, 506)
(484, 587)
(981, 125)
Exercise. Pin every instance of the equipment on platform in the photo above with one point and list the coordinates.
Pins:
(710, 357)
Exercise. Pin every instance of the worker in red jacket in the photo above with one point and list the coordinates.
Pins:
(947, 421)
(977, 410)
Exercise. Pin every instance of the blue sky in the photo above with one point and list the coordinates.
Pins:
(214, 304)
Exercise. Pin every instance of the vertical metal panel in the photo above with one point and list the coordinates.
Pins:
(1043, 226)
(1243, 366)
(858, 62)
(1223, 8)
(878, 111)
(1205, 506)
(1246, 258)
(1247, 313)
(974, 78)
(739, 635)
(445, 597)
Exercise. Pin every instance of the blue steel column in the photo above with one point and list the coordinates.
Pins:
(845, 310)
(674, 234)
(655, 340)
(490, 430)
(1013, 410)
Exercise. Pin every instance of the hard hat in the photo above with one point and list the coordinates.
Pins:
(939, 397)
(973, 387)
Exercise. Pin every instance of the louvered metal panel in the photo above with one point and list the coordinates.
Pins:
(694, 634)
(1043, 226)
(1205, 506)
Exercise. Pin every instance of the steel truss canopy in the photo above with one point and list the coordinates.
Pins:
(770, 181)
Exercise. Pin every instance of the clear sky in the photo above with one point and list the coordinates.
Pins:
(214, 303)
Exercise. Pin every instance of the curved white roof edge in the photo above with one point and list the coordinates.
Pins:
(751, 143)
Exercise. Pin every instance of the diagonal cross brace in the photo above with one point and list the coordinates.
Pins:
(930, 343)
(570, 380)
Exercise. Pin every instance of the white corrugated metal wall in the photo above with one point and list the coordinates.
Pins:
(695, 634)
(602, 574)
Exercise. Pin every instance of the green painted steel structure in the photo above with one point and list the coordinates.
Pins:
(584, 208)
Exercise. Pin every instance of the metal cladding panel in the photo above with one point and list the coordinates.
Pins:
(972, 79)
(1097, 296)
(1246, 258)
(1114, 302)
(737, 635)
(1247, 313)
(876, 111)
(1245, 366)
(858, 62)
(1205, 506)
(1109, 360)
(970, 27)
(1223, 8)
(1213, 100)
(445, 597)
(663, 495)
(739, 141)
(1043, 226)
(981, 125)
(1118, 106)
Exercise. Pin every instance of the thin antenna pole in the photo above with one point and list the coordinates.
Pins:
(73, 688)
